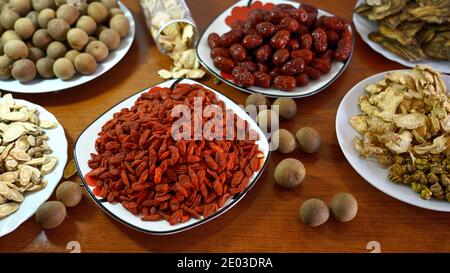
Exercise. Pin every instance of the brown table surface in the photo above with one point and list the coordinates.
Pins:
(266, 220)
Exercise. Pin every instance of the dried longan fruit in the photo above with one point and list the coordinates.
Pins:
(109, 4)
(41, 39)
(113, 12)
(56, 50)
(72, 54)
(309, 139)
(85, 64)
(283, 140)
(33, 15)
(314, 212)
(35, 54)
(9, 35)
(44, 68)
(16, 49)
(59, 3)
(82, 7)
(24, 70)
(98, 50)
(110, 38)
(289, 173)
(22, 7)
(121, 24)
(266, 118)
(64, 69)
(51, 214)
(24, 27)
(257, 100)
(45, 16)
(69, 193)
(287, 108)
(98, 12)
(39, 5)
(344, 207)
(77, 38)
(68, 13)
(57, 29)
(5, 67)
(8, 17)
(87, 24)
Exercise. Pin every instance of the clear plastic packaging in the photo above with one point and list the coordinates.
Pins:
(171, 24)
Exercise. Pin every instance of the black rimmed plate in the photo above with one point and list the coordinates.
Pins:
(84, 146)
(219, 26)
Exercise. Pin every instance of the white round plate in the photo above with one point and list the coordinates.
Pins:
(219, 26)
(85, 145)
(364, 27)
(52, 85)
(58, 143)
(370, 170)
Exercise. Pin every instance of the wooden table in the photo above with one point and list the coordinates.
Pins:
(266, 220)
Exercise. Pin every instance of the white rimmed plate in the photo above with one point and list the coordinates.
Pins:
(364, 27)
(370, 170)
(52, 85)
(58, 143)
(219, 26)
(84, 146)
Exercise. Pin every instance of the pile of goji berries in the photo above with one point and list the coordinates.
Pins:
(284, 47)
(139, 164)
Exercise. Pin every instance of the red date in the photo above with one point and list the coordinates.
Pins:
(301, 15)
(248, 65)
(244, 78)
(238, 52)
(306, 41)
(320, 40)
(220, 51)
(224, 64)
(323, 65)
(302, 79)
(293, 44)
(293, 67)
(263, 67)
(332, 38)
(276, 15)
(285, 83)
(265, 29)
(280, 57)
(289, 24)
(231, 37)
(312, 73)
(343, 50)
(328, 54)
(263, 53)
(213, 40)
(280, 39)
(275, 72)
(252, 41)
(305, 54)
(262, 79)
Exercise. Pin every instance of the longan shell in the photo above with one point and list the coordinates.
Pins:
(289, 173)
(22, 7)
(64, 69)
(68, 13)
(72, 54)
(69, 193)
(57, 29)
(87, 24)
(8, 17)
(113, 12)
(98, 50)
(44, 68)
(314, 212)
(39, 5)
(35, 54)
(287, 108)
(98, 12)
(9, 35)
(24, 27)
(51, 214)
(41, 39)
(56, 50)
(5, 67)
(45, 16)
(16, 49)
(77, 38)
(24, 70)
(110, 38)
(121, 24)
(85, 64)
(109, 4)
(33, 15)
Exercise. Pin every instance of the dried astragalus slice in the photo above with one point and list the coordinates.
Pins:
(25, 156)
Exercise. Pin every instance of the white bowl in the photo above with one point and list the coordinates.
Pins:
(58, 143)
(84, 146)
(370, 170)
(52, 85)
(219, 26)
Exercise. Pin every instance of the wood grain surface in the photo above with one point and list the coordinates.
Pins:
(266, 220)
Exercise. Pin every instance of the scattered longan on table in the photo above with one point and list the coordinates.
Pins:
(309, 139)
(51, 214)
(69, 193)
(314, 212)
(289, 173)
